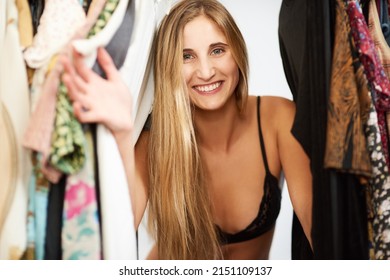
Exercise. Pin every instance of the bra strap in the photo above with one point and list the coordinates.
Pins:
(263, 153)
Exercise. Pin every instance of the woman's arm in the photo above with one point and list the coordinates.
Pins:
(108, 101)
(295, 165)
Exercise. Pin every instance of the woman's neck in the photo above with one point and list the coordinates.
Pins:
(218, 130)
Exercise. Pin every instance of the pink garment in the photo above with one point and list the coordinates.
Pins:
(79, 196)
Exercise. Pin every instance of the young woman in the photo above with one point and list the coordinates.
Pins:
(209, 166)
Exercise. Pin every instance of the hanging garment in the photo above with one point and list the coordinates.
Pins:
(25, 23)
(373, 68)
(58, 23)
(53, 248)
(80, 228)
(8, 163)
(38, 134)
(379, 190)
(140, 82)
(67, 153)
(375, 28)
(348, 108)
(348, 112)
(36, 7)
(55, 207)
(37, 211)
(380, 183)
(25, 30)
(383, 13)
(15, 103)
(118, 233)
(295, 44)
(149, 15)
(118, 46)
(305, 38)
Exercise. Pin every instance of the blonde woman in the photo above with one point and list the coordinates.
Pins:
(209, 165)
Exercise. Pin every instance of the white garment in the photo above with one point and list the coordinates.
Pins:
(144, 104)
(59, 21)
(15, 97)
(139, 79)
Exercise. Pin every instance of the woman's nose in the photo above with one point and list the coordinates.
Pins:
(206, 69)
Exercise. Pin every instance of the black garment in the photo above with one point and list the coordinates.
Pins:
(36, 9)
(270, 203)
(306, 40)
(55, 206)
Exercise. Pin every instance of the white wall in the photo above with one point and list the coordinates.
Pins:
(258, 22)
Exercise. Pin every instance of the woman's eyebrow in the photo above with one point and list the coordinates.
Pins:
(218, 44)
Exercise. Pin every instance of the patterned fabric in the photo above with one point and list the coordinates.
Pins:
(379, 191)
(68, 143)
(36, 217)
(376, 133)
(373, 68)
(80, 233)
(103, 18)
(348, 106)
(380, 43)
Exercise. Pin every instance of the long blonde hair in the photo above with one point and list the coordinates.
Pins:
(179, 204)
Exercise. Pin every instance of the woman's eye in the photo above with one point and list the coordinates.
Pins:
(187, 56)
(217, 51)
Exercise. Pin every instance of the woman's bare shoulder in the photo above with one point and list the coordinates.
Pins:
(276, 107)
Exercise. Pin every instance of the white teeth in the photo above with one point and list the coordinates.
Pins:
(208, 88)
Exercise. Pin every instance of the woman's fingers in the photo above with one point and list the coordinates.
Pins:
(83, 114)
(68, 66)
(68, 81)
(76, 85)
(107, 64)
(82, 70)
(95, 99)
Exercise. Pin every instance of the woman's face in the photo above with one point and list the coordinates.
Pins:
(209, 70)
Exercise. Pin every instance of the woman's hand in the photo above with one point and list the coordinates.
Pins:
(95, 99)
(106, 101)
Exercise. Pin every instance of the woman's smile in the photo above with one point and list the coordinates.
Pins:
(208, 89)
